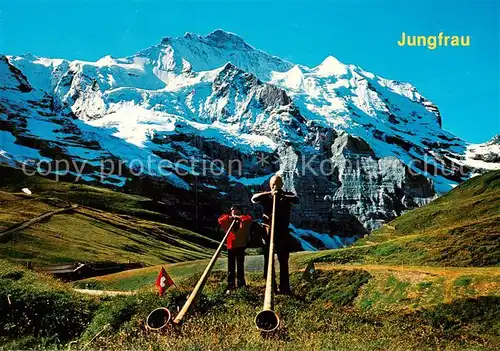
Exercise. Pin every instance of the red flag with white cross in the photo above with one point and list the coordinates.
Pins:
(163, 282)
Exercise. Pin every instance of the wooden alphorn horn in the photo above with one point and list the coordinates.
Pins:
(267, 320)
(199, 286)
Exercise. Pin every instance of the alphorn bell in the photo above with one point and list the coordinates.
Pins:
(199, 286)
(267, 320)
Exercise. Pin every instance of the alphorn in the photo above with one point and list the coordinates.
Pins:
(267, 320)
(199, 286)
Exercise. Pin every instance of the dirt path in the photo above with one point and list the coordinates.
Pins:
(442, 271)
(104, 292)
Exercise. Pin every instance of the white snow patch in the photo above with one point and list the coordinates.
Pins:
(329, 241)
(482, 150)
(134, 124)
(251, 181)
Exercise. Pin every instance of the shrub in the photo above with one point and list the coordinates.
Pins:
(463, 281)
(35, 305)
(340, 287)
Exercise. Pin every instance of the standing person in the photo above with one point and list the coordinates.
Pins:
(236, 244)
(284, 203)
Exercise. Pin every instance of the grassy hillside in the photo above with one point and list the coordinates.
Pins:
(107, 225)
(461, 228)
(342, 308)
(428, 280)
(338, 310)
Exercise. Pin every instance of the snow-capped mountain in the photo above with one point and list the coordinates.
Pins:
(358, 148)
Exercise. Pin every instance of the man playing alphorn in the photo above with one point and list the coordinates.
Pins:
(284, 203)
(236, 242)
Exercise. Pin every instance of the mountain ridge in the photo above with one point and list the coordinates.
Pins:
(215, 97)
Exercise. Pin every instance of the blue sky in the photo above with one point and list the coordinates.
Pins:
(464, 82)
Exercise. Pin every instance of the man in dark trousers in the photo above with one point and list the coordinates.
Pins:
(236, 244)
(284, 203)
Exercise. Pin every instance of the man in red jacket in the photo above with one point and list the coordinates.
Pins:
(236, 244)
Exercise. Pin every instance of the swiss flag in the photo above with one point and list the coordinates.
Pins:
(163, 282)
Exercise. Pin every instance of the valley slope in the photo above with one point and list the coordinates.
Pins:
(105, 227)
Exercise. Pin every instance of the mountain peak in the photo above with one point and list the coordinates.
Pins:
(218, 36)
(212, 51)
(29, 56)
(495, 141)
(293, 79)
(331, 66)
(222, 37)
(330, 60)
